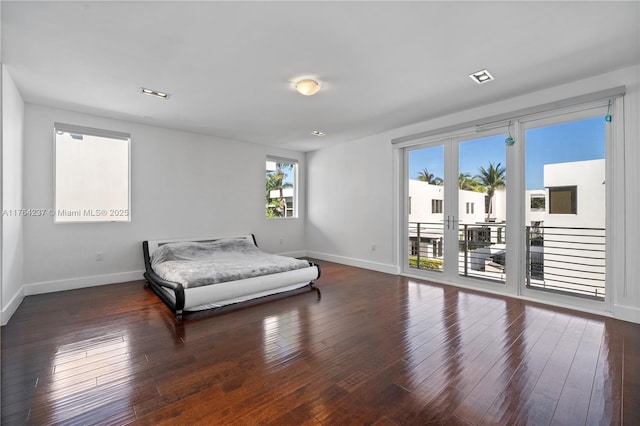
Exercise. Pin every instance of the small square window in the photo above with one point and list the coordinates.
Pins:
(563, 200)
(538, 202)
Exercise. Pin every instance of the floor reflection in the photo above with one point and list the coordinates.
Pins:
(86, 374)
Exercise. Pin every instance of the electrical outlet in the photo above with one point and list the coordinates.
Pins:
(373, 247)
(98, 256)
(281, 240)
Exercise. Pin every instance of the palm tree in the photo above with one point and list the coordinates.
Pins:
(430, 178)
(468, 183)
(492, 178)
(275, 181)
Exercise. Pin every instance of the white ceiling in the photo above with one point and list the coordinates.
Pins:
(229, 66)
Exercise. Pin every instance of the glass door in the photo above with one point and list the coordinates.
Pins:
(425, 208)
(456, 209)
(565, 207)
(482, 208)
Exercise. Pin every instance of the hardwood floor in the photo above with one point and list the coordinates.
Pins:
(375, 349)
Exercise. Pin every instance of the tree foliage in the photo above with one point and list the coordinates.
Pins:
(276, 181)
(430, 178)
(492, 178)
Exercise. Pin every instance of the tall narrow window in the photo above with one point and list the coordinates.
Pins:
(92, 175)
(281, 187)
(470, 208)
(436, 206)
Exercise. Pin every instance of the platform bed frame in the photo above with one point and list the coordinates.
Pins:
(183, 300)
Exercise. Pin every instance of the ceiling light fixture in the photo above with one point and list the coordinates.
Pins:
(307, 87)
(318, 133)
(155, 93)
(481, 76)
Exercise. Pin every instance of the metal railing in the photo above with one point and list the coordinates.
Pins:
(426, 245)
(481, 251)
(558, 259)
(566, 260)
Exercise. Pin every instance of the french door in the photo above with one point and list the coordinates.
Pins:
(456, 209)
(567, 183)
(534, 217)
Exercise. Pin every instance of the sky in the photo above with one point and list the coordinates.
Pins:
(573, 141)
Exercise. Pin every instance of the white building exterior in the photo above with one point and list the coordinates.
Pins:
(471, 204)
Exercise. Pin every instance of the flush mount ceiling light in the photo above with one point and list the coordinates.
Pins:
(155, 93)
(318, 133)
(307, 87)
(481, 76)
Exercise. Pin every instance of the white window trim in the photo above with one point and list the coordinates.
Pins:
(296, 190)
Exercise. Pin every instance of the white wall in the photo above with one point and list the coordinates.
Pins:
(354, 188)
(421, 194)
(12, 196)
(182, 185)
(589, 178)
(534, 215)
(349, 206)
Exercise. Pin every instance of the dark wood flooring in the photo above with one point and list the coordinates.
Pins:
(376, 349)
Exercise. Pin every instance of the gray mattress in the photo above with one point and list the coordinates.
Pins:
(196, 264)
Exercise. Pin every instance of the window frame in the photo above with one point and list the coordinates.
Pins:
(295, 197)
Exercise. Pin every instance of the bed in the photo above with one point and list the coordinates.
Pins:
(209, 273)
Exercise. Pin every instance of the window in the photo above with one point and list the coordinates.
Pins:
(92, 175)
(281, 187)
(470, 208)
(538, 202)
(563, 200)
(436, 206)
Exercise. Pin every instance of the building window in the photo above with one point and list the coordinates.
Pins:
(91, 175)
(563, 200)
(436, 206)
(281, 187)
(538, 202)
(470, 208)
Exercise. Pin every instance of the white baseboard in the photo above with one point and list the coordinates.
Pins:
(10, 308)
(358, 263)
(75, 283)
(627, 313)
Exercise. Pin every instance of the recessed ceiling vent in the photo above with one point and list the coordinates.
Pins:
(155, 93)
(481, 76)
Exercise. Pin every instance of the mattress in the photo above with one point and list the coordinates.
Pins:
(197, 264)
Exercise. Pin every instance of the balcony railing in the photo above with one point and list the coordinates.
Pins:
(481, 251)
(563, 260)
(566, 260)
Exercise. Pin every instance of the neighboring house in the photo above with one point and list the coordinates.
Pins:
(274, 196)
(574, 201)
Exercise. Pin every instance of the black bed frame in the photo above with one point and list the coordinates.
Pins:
(155, 282)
